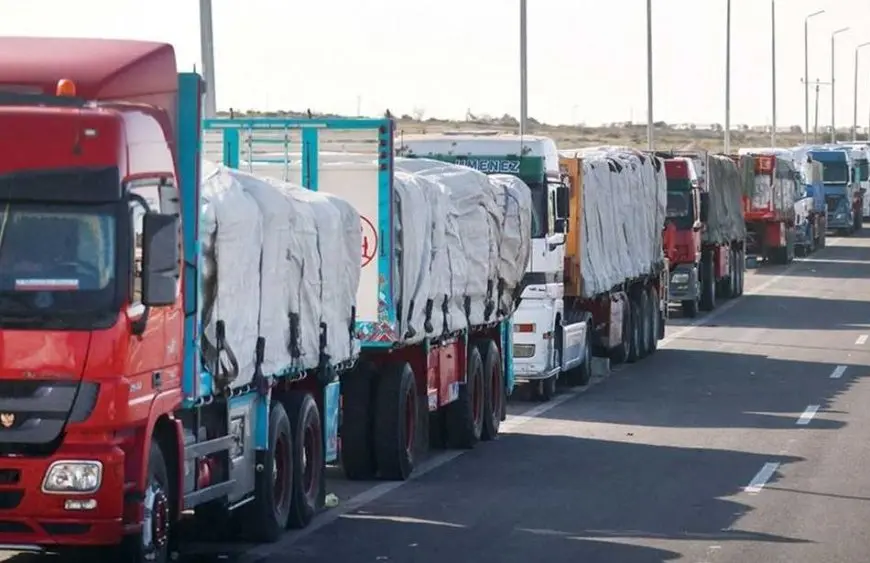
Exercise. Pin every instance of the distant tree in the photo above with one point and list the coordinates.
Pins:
(796, 129)
(660, 125)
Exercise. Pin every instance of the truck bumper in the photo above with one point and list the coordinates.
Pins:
(31, 519)
(683, 283)
(533, 351)
(839, 223)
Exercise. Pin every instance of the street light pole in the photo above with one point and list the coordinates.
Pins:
(650, 137)
(807, 74)
(855, 95)
(773, 72)
(833, 85)
(206, 38)
(727, 76)
(524, 92)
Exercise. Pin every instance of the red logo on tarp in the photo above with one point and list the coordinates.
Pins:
(369, 240)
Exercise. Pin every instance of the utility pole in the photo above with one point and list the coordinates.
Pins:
(816, 83)
(773, 72)
(650, 128)
(855, 95)
(524, 93)
(727, 76)
(206, 38)
(807, 73)
(833, 79)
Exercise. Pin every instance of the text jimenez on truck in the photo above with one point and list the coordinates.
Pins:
(187, 341)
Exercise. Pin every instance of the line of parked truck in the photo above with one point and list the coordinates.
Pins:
(197, 341)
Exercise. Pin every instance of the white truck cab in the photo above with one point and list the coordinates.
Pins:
(544, 345)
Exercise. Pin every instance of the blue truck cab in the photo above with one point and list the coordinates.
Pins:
(841, 186)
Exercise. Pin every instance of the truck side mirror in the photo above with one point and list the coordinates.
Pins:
(705, 206)
(160, 259)
(563, 199)
(562, 209)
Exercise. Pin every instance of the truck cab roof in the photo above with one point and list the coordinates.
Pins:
(105, 70)
(483, 144)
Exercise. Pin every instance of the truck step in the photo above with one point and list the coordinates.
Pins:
(211, 492)
(202, 449)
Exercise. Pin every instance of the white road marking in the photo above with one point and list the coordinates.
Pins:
(761, 478)
(808, 415)
(838, 372)
(861, 340)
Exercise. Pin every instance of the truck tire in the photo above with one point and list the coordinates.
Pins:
(152, 544)
(725, 286)
(580, 375)
(655, 319)
(635, 351)
(357, 420)
(690, 308)
(619, 353)
(464, 416)
(495, 394)
(309, 464)
(396, 420)
(708, 283)
(265, 517)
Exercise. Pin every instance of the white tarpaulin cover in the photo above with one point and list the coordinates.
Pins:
(280, 262)
(725, 216)
(624, 203)
(463, 239)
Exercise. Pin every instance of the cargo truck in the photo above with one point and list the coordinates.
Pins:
(606, 287)
(769, 191)
(811, 216)
(843, 194)
(551, 342)
(705, 232)
(861, 161)
(191, 355)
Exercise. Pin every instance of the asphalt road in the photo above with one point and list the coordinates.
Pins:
(740, 441)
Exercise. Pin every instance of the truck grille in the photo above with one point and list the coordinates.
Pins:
(33, 413)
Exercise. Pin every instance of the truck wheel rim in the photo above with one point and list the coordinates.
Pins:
(495, 386)
(279, 473)
(155, 527)
(311, 460)
(476, 399)
(410, 421)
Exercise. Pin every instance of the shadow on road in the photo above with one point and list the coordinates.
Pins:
(555, 498)
(705, 389)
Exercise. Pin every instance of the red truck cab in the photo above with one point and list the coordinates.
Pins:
(682, 237)
(88, 371)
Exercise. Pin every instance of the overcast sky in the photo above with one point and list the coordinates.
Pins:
(587, 58)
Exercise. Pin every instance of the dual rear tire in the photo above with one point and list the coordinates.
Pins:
(386, 423)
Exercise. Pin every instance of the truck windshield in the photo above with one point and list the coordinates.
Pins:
(679, 205)
(57, 262)
(540, 209)
(863, 169)
(835, 173)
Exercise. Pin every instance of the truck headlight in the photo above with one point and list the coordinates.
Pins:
(73, 477)
(681, 277)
